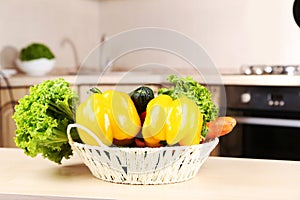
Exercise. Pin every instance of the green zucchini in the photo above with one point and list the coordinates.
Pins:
(140, 97)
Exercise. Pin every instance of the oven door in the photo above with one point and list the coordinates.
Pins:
(267, 135)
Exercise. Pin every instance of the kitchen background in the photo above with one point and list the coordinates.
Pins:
(233, 32)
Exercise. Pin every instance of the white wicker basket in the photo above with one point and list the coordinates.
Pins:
(142, 165)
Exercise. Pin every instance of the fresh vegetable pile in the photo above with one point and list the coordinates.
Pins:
(183, 114)
(179, 115)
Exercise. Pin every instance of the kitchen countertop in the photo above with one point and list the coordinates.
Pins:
(23, 177)
(156, 78)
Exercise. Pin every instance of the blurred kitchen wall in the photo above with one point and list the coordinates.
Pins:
(61, 24)
(233, 32)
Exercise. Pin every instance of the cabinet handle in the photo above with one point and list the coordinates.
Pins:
(268, 121)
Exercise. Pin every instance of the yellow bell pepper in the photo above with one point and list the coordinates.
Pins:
(93, 114)
(124, 118)
(173, 121)
(184, 122)
(110, 115)
(154, 127)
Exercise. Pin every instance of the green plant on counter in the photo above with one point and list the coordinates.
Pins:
(42, 118)
(35, 51)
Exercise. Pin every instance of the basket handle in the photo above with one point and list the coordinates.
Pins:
(70, 126)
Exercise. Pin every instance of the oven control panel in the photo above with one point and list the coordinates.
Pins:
(276, 100)
(246, 97)
(263, 98)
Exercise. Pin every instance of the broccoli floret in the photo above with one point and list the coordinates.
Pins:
(36, 51)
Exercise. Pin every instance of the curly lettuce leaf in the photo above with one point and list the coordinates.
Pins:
(42, 118)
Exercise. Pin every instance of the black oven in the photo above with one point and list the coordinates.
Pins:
(268, 122)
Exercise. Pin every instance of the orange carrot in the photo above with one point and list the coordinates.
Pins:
(219, 127)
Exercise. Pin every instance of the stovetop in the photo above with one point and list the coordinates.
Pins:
(270, 69)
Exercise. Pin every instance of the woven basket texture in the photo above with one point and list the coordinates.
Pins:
(146, 165)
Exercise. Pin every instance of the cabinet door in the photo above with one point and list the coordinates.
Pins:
(8, 125)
